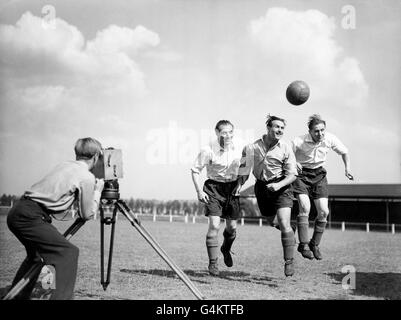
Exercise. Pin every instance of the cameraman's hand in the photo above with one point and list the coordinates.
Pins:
(99, 185)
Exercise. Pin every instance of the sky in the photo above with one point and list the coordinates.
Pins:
(153, 77)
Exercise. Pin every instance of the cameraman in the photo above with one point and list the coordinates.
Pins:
(29, 219)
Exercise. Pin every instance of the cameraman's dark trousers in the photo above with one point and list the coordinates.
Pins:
(31, 224)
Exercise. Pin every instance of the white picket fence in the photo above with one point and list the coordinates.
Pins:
(254, 220)
(262, 222)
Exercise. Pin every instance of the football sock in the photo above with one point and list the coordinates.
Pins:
(318, 232)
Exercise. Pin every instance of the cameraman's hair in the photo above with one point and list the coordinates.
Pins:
(86, 148)
(223, 123)
(270, 119)
(315, 119)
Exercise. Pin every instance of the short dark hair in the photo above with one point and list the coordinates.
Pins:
(223, 123)
(270, 119)
(86, 148)
(315, 119)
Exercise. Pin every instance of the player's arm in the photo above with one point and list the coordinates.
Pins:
(294, 146)
(89, 197)
(289, 178)
(245, 168)
(347, 165)
(338, 147)
(202, 196)
(200, 162)
(290, 172)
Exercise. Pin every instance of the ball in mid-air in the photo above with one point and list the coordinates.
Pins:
(297, 92)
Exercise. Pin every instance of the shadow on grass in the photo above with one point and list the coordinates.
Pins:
(227, 275)
(373, 284)
(169, 273)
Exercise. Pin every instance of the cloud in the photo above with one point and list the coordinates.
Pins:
(41, 98)
(302, 45)
(61, 56)
(115, 39)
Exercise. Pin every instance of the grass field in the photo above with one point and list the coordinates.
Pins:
(139, 273)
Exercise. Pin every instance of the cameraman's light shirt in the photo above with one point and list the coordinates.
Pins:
(221, 164)
(267, 165)
(312, 154)
(67, 182)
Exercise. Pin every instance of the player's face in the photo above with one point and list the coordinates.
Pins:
(225, 134)
(276, 130)
(317, 132)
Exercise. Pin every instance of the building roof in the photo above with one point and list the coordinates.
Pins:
(354, 191)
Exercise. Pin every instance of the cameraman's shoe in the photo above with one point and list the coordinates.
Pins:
(289, 268)
(213, 269)
(316, 251)
(305, 251)
(228, 260)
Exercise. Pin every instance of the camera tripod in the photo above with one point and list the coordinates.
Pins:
(111, 197)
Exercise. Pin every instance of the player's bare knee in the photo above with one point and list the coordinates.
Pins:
(304, 208)
(322, 215)
(303, 214)
(285, 225)
(286, 229)
(213, 230)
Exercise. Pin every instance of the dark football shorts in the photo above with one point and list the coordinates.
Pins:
(312, 182)
(221, 201)
(270, 201)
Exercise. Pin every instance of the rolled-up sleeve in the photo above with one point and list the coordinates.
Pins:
(337, 146)
(89, 199)
(246, 162)
(201, 160)
(295, 144)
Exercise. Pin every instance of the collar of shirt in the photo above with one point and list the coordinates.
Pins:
(310, 139)
(262, 142)
(83, 164)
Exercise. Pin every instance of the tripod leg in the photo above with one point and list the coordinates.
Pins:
(126, 211)
(107, 221)
(101, 246)
(24, 281)
(78, 223)
(113, 225)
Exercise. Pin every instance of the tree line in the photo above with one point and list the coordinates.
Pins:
(159, 207)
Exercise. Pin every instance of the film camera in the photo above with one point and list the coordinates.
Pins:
(110, 168)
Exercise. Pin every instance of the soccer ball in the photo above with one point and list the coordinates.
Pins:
(297, 92)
